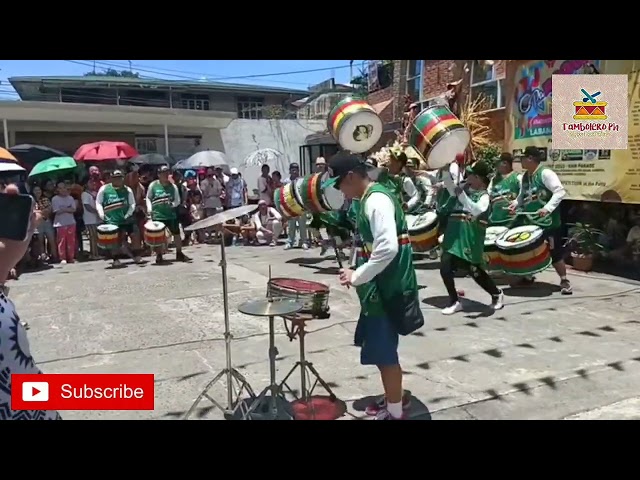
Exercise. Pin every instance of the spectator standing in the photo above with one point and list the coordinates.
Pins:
(64, 208)
(236, 190)
(265, 186)
(90, 217)
(211, 191)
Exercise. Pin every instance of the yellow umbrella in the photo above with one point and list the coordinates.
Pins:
(6, 155)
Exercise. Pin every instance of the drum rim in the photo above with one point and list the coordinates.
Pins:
(283, 205)
(344, 101)
(273, 282)
(111, 228)
(421, 215)
(530, 241)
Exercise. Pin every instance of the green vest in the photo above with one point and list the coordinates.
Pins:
(504, 190)
(535, 197)
(162, 198)
(464, 236)
(421, 207)
(115, 203)
(399, 276)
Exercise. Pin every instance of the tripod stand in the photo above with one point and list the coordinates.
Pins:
(235, 381)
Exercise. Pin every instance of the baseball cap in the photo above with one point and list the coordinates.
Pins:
(531, 152)
(262, 202)
(294, 166)
(234, 171)
(164, 169)
(344, 163)
(117, 173)
(321, 161)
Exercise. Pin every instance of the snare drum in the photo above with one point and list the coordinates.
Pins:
(423, 231)
(313, 295)
(155, 234)
(524, 250)
(108, 237)
(438, 135)
(492, 259)
(355, 125)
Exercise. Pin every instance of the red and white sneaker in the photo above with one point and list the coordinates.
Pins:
(385, 415)
(381, 404)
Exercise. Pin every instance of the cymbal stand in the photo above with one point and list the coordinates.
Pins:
(236, 383)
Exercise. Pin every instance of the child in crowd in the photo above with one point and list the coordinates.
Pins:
(196, 209)
(64, 208)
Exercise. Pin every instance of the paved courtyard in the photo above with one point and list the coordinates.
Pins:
(544, 356)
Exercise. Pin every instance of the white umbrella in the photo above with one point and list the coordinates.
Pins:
(10, 167)
(262, 156)
(204, 159)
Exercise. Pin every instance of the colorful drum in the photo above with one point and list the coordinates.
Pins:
(438, 135)
(355, 125)
(314, 296)
(331, 198)
(524, 250)
(108, 237)
(492, 258)
(155, 234)
(423, 231)
(316, 193)
(286, 203)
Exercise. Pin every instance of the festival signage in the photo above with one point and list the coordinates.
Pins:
(588, 173)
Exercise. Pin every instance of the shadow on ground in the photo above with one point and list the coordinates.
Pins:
(417, 410)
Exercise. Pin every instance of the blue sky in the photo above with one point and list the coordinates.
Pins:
(277, 73)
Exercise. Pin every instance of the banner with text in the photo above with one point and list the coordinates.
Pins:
(594, 175)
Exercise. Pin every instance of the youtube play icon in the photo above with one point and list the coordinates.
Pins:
(35, 392)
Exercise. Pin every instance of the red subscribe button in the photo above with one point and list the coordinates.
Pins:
(82, 392)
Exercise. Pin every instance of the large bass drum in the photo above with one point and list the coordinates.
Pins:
(492, 258)
(355, 125)
(524, 251)
(423, 231)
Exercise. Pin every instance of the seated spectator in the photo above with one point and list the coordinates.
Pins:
(630, 249)
(268, 224)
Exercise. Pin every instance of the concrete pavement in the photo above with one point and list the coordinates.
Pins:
(545, 356)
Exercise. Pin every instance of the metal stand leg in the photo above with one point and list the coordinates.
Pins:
(231, 375)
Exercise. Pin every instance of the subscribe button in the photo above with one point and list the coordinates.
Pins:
(82, 392)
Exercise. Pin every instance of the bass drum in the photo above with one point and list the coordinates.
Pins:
(331, 198)
(155, 234)
(355, 125)
(492, 258)
(108, 237)
(423, 231)
(524, 251)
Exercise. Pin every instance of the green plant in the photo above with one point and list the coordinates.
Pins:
(584, 239)
(489, 153)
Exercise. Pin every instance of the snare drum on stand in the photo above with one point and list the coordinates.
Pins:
(313, 295)
(108, 237)
(355, 125)
(524, 251)
(423, 231)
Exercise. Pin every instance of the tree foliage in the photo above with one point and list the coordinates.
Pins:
(111, 72)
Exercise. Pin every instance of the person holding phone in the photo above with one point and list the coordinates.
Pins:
(64, 209)
(15, 354)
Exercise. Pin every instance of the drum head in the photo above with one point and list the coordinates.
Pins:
(419, 222)
(107, 228)
(360, 132)
(298, 285)
(445, 150)
(333, 197)
(519, 237)
(492, 234)
(154, 226)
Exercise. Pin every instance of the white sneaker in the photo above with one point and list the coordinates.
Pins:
(305, 246)
(63, 262)
(456, 307)
(497, 302)
(288, 246)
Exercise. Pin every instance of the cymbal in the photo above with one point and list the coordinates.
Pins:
(270, 308)
(222, 217)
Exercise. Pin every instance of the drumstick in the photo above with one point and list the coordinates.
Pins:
(335, 249)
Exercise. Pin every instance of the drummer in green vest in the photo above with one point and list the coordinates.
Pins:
(442, 175)
(463, 243)
(163, 198)
(115, 204)
(385, 279)
(540, 196)
(503, 189)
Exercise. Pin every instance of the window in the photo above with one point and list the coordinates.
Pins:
(250, 108)
(147, 145)
(484, 84)
(192, 101)
(414, 79)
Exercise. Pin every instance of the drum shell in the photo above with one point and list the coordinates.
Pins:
(493, 259)
(155, 236)
(522, 260)
(314, 303)
(339, 119)
(438, 135)
(108, 238)
(311, 193)
(425, 238)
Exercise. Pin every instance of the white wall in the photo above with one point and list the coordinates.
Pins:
(243, 137)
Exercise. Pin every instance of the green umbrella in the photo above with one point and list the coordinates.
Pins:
(55, 165)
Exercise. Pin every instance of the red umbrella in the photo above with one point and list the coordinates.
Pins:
(100, 151)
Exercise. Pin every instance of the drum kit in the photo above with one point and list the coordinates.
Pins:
(296, 301)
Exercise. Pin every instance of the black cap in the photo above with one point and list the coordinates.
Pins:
(532, 152)
(164, 169)
(294, 165)
(506, 157)
(344, 163)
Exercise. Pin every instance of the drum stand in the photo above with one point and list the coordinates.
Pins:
(236, 383)
(307, 370)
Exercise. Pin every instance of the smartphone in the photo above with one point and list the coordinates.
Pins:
(15, 216)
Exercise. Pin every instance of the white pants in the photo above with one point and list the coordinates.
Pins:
(275, 226)
(299, 223)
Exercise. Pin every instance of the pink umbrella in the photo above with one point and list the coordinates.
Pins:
(101, 151)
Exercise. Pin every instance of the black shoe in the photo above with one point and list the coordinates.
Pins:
(565, 287)
(159, 259)
(181, 257)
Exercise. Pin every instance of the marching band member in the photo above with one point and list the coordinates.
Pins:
(541, 193)
(163, 199)
(503, 189)
(385, 278)
(463, 244)
(444, 174)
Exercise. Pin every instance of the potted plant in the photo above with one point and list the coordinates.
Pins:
(584, 243)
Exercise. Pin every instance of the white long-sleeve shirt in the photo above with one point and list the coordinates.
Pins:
(552, 182)
(260, 220)
(176, 196)
(472, 208)
(380, 212)
(100, 199)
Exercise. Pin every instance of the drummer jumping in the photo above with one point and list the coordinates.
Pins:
(463, 243)
(163, 198)
(540, 194)
(384, 259)
(115, 204)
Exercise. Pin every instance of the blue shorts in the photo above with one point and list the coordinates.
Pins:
(378, 341)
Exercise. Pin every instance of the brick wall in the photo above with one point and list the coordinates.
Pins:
(395, 92)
